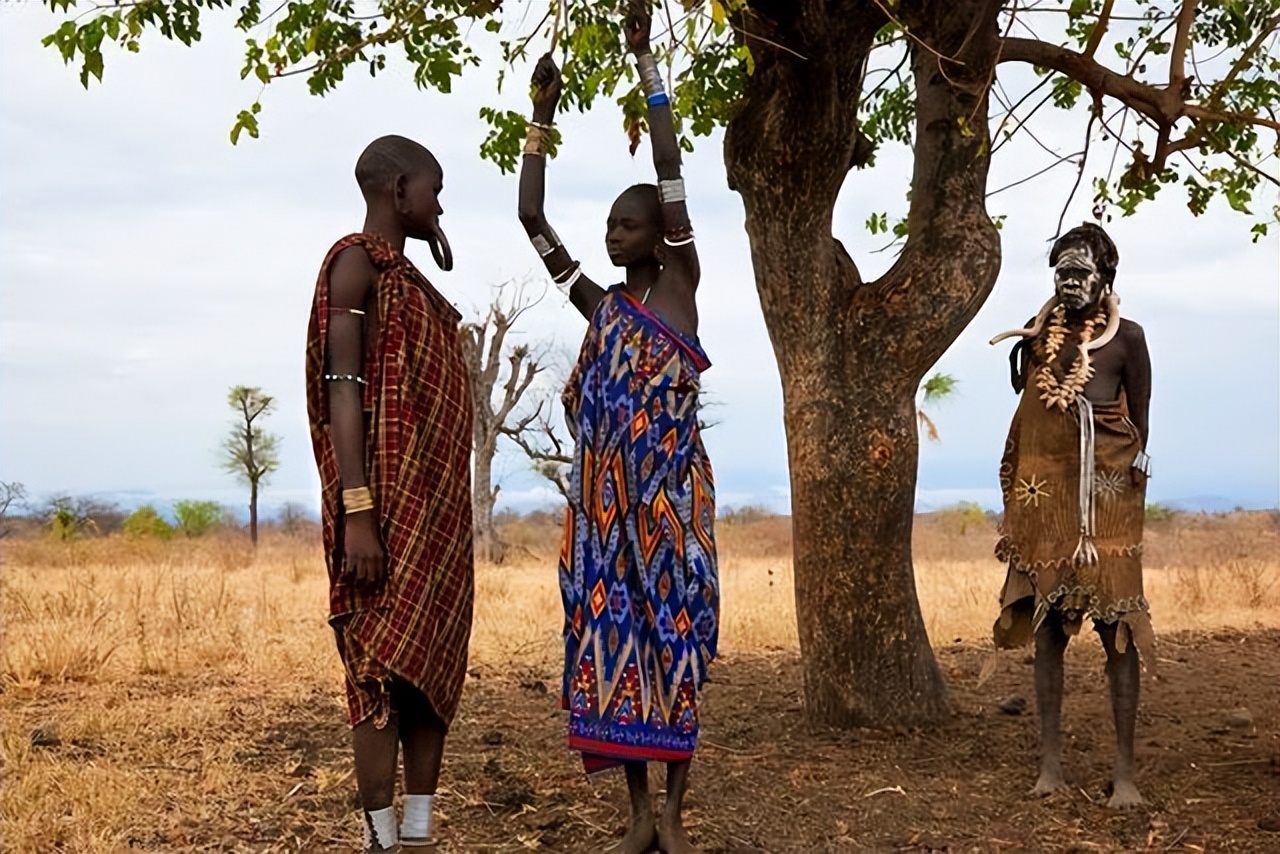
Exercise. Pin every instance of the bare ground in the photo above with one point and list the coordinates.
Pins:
(763, 781)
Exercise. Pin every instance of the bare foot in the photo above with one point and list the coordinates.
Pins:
(672, 838)
(640, 838)
(1050, 782)
(1124, 795)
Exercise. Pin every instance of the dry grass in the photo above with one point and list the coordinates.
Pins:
(152, 665)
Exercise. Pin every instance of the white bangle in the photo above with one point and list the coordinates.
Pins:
(572, 274)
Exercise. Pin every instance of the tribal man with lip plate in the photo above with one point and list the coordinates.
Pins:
(1073, 479)
(390, 411)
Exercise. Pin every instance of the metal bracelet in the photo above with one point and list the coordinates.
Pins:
(567, 286)
(544, 246)
(565, 279)
(343, 378)
(1142, 463)
(650, 76)
(564, 274)
(671, 190)
(357, 499)
(570, 277)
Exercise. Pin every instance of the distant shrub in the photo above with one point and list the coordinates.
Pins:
(1157, 513)
(145, 523)
(62, 519)
(745, 515)
(963, 515)
(197, 518)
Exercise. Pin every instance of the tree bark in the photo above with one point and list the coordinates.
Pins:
(488, 548)
(851, 354)
(253, 513)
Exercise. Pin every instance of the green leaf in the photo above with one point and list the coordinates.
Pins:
(247, 122)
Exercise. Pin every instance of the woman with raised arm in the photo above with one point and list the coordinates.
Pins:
(638, 566)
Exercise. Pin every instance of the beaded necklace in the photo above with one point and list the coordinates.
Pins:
(1058, 389)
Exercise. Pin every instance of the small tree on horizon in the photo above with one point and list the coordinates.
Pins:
(249, 451)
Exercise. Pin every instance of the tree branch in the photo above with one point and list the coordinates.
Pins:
(1099, 29)
(1148, 100)
(1181, 41)
(1204, 114)
(516, 386)
(1243, 61)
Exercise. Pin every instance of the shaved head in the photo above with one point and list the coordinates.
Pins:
(388, 157)
(643, 198)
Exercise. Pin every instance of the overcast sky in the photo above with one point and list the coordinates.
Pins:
(146, 266)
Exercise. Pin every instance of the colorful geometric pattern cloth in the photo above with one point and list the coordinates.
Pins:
(417, 408)
(638, 565)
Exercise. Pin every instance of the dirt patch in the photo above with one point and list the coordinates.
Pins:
(1208, 748)
(766, 782)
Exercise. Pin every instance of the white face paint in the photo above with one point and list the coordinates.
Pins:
(1076, 278)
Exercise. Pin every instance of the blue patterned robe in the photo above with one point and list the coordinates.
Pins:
(638, 565)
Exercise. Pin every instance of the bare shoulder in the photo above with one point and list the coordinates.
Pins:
(1131, 333)
(350, 276)
(353, 261)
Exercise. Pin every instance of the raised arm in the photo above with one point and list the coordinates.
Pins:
(565, 272)
(352, 279)
(677, 232)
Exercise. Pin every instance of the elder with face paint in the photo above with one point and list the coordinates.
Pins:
(1074, 478)
(638, 566)
(390, 411)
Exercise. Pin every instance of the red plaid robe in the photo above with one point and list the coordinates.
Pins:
(417, 407)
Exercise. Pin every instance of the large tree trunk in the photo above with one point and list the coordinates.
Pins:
(851, 354)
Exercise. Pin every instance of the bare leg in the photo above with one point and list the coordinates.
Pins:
(640, 836)
(376, 751)
(1122, 673)
(422, 734)
(375, 759)
(671, 834)
(1051, 644)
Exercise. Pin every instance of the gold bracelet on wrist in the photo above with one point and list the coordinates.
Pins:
(357, 500)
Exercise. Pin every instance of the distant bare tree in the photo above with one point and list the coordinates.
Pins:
(296, 519)
(249, 451)
(551, 455)
(13, 496)
(550, 451)
(484, 347)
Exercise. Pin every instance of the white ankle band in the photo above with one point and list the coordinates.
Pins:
(417, 816)
(380, 829)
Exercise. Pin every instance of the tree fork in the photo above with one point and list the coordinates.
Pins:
(851, 353)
